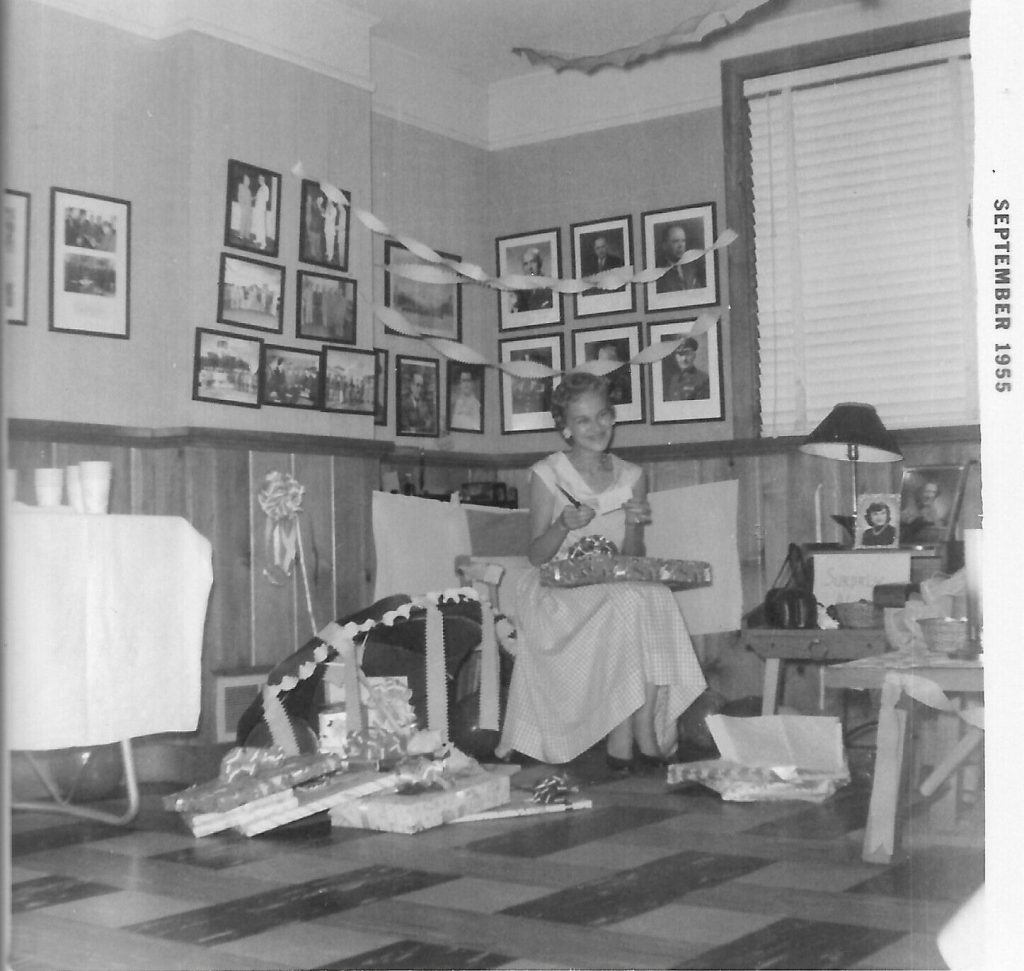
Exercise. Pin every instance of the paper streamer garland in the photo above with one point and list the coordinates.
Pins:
(442, 270)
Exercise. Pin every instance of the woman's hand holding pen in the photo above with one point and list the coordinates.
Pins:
(575, 517)
(638, 512)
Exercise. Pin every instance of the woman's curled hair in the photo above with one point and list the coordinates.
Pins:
(573, 385)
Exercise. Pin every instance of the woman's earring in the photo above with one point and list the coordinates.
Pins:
(566, 434)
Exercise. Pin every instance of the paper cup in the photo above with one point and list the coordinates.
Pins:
(73, 477)
(49, 486)
(94, 478)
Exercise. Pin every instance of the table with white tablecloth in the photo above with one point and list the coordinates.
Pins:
(103, 631)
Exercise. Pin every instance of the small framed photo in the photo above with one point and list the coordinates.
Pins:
(433, 308)
(526, 401)
(290, 377)
(878, 521)
(597, 247)
(380, 371)
(686, 385)
(325, 307)
(930, 501)
(418, 385)
(535, 254)
(465, 384)
(90, 246)
(227, 368)
(324, 225)
(350, 381)
(252, 219)
(669, 234)
(250, 293)
(17, 206)
(626, 383)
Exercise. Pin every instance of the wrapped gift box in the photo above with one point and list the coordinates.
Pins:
(399, 812)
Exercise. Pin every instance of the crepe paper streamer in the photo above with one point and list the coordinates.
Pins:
(528, 369)
(424, 273)
(393, 320)
(691, 32)
(599, 367)
(281, 732)
(489, 674)
(437, 692)
(455, 351)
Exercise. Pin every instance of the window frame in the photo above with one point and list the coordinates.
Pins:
(738, 179)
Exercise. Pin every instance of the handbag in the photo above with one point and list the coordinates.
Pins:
(791, 605)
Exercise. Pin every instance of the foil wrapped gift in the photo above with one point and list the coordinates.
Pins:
(604, 568)
(416, 810)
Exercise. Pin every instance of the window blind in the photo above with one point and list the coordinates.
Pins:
(864, 278)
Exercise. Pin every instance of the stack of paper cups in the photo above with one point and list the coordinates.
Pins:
(74, 481)
(94, 479)
(49, 486)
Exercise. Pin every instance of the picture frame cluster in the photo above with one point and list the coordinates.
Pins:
(686, 385)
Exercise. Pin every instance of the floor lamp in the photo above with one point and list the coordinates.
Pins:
(852, 432)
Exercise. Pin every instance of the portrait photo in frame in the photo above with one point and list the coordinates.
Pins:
(878, 521)
(227, 368)
(325, 307)
(90, 263)
(418, 396)
(380, 370)
(526, 402)
(250, 293)
(290, 377)
(14, 261)
(532, 254)
(930, 500)
(687, 384)
(324, 225)
(252, 218)
(620, 343)
(596, 247)
(465, 384)
(668, 235)
(434, 309)
(350, 381)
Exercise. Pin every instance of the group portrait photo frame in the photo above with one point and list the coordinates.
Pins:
(252, 217)
(227, 368)
(350, 381)
(250, 293)
(434, 309)
(90, 263)
(324, 222)
(325, 307)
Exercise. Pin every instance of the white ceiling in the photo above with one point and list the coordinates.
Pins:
(476, 37)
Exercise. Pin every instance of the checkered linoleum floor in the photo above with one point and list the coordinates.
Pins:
(650, 877)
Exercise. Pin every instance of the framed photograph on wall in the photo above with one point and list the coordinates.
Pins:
(380, 370)
(669, 235)
(350, 381)
(930, 501)
(465, 383)
(432, 308)
(596, 248)
(324, 225)
(626, 384)
(533, 254)
(90, 263)
(290, 377)
(526, 401)
(252, 218)
(250, 293)
(325, 307)
(687, 385)
(17, 207)
(418, 387)
(878, 521)
(227, 368)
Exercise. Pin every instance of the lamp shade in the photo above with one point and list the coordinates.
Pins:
(852, 431)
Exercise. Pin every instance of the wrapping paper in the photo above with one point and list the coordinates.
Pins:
(596, 568)
(399, 813)
(745, 783)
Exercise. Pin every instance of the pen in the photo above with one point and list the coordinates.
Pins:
(568, 495)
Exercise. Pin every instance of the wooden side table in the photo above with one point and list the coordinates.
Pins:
(821, 647)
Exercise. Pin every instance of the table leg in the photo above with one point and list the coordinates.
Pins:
(880, 831)
(770, 691)
(62, 805)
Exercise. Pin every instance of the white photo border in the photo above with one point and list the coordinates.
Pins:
(596, 302)
(529, 419)
(699, 222)
(667, 411)
(510, 251)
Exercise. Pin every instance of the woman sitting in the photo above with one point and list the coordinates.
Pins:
(612, 660)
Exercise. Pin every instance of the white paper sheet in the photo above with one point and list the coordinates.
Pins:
(699, 523)
(811, 742)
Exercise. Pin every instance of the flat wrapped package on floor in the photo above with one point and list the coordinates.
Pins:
(414, 811)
